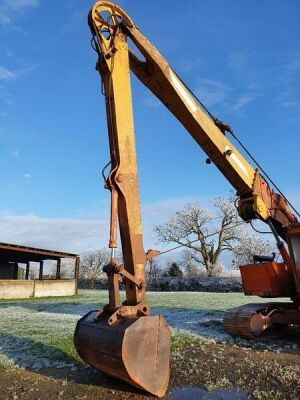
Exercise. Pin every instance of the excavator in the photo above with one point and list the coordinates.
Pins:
(123, 339)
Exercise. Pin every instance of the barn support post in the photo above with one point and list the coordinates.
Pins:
(27, 270)
(41, 270)
(15, 272)
(58, 267)
(77, 264)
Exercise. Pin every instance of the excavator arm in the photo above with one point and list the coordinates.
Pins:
(123, 177)
(257, 199)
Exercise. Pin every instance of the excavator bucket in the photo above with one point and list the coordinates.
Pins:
(134, 350)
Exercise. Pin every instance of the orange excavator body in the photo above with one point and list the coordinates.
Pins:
(123, 339)
(267, 280)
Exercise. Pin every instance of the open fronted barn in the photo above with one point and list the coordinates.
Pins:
(31, 272)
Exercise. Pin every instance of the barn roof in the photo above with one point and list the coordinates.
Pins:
(24, 254)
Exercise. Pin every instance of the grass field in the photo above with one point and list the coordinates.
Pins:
(37, 334)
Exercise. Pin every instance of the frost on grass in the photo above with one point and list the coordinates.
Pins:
(39, 334)
(27, 337)
(5, 362)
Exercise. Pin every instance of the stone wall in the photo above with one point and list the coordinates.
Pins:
(21, 289)
(55, 288)
(13, 289)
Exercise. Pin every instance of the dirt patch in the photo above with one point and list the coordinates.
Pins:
(260, 374)
(82, 383)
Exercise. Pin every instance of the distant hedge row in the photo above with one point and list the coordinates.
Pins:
(182, 284)
(196, 284)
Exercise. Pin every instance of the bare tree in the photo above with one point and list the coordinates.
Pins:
(195, 227)
(206, 233)
(189, 264)
(92, 264)
(154, 269)
(250, 245)
(67, 269)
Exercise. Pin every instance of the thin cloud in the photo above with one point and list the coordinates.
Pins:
(26, 176)
(286, 82)
(27, 70)
(6, 74)
(4, 19)
(80, 235)
(8, 101)
(10, 8)
(15, 153)
(63, 234)
(289, 104)
(10, 54)
(212, 92)
(243, 101)
(19, 5)
(229, 98)
(188, 66)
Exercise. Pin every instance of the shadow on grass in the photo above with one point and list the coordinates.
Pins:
(74, 305)
(86, 375)
(26, 352)
(58, 360)
(63, 307)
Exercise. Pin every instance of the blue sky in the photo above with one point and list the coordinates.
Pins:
(241, 58)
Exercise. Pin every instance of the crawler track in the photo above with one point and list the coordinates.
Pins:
(237, 321)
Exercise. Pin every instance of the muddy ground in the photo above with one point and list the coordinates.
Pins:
(259, 374)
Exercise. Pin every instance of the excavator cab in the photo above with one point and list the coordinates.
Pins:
(268, 278)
